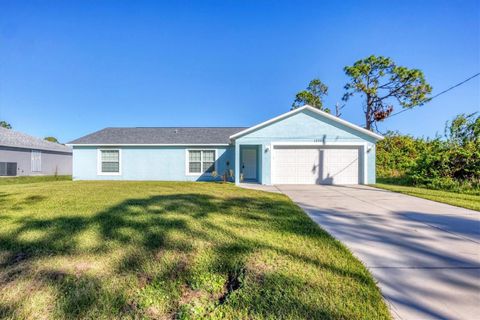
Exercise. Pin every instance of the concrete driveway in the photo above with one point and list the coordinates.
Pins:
(425, 255)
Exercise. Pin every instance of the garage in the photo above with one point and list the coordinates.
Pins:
(306, 146)
(316, 165)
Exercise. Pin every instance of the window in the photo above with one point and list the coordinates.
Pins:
(36, 158)
(208, 161)
(201, 161)
(109, 161)
(8, 168)
(195, 161)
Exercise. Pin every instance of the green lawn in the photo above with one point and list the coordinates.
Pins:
(158, 250)
(464, 200)
(32, 179)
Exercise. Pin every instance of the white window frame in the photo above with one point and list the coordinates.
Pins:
(99, 162)
(33, 158)
(202, 172)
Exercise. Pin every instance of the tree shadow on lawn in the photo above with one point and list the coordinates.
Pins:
(28, 201)
(147, 225)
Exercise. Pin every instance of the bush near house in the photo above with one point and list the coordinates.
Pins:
(451, 163)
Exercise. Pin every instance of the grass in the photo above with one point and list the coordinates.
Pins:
(109, 250)
(32, 179)
(442, 184)
(464, 200)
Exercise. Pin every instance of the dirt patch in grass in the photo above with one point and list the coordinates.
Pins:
(82, 267)
(189, 295)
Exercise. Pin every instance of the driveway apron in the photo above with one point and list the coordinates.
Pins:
(425, 255)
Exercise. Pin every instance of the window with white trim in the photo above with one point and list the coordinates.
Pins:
(36, 159)
(110, 161)
(201, 161)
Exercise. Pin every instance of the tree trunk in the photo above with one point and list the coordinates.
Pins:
(368, 115)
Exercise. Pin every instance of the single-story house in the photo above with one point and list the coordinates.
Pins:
(303, 146)
(24, 155)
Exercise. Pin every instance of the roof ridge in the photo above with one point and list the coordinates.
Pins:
(159, 135)
(19, 139)
(180, 127)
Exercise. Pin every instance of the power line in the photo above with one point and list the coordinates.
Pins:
(438, 94)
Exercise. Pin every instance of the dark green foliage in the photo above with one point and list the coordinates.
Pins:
(463, 129)
(450, 164)
(5, 124)
(312, 96)
(383, 83)
(396, 154)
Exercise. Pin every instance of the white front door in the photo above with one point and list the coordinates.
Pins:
(249, 164)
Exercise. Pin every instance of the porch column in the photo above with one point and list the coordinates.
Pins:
(237, 163)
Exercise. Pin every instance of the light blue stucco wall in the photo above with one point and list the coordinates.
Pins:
(305, 127)
(371, 165)
(147, 163)
(169, 163)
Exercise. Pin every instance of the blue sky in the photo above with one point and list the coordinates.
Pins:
(70, 68)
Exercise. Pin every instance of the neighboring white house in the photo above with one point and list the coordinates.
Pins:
(303, 146)
(24, 155)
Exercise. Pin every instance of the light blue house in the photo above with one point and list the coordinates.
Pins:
(303, 146)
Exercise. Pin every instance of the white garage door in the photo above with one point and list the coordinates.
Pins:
(314, 165)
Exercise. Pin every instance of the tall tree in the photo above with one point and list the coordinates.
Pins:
(382, 83)
(5, 124)
(51, 139)
(312, 96)
(463, 129)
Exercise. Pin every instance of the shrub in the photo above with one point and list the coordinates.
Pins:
(452, 163)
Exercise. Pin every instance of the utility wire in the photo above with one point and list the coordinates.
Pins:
(438, 94)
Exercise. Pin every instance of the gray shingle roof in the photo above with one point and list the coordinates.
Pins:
(12, 138)
(170, 135)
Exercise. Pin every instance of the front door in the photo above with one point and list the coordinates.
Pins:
(249, 164)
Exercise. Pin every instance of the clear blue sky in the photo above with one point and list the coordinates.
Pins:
(70, 68)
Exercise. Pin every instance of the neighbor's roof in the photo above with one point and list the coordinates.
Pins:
(12, 138)
(159, 136)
